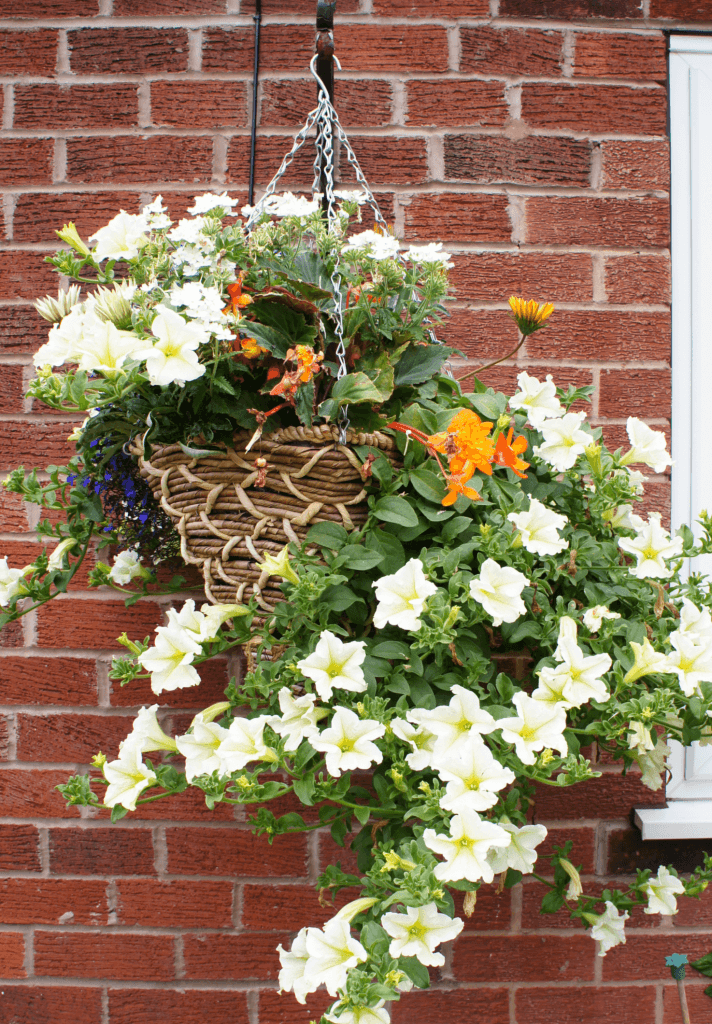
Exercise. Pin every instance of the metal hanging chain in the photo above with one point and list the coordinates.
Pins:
(326, 122)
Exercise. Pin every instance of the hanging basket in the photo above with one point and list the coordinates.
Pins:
(230, 509)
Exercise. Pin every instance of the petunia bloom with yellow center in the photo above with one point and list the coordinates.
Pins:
(529, 315)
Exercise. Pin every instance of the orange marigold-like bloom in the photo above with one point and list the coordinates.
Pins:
(465, 441)
(530, 316)
(251, 348)
(307, 362)
(237, 301)
(457, 485)
(507, 452)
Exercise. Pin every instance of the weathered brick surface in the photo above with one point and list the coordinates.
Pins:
(127, 50)
(78, 106)
(131, 158)
(595, 108)
(29, 52)
(189, 1006)
(497, 51)
(199, 104)
(620, 55)
(532, 161)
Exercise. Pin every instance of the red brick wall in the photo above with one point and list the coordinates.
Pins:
(529, 135)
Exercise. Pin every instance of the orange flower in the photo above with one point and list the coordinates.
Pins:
(507, 453)
(457, 485)
(465, 441)
(530, 316)
(307, 365)
(250, 348)
(237, 300)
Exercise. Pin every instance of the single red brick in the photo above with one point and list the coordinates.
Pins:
(631, 389)
(403, 161)
(31, 52)
(595, 108)
(12, 634)
(627, 853)
(364, 102)
(94, 624)
(683, 10)
(524, 958)
(423, 8)
(129, 158)
(5, 722)
(53, 901)
(187, 1006)
(100, 851)
(50, 9)
(26, 161)
(229, 957)
(76, 106)
(12, 955)
(234, 853)
(48, 681)
(214, 679)
(69, 738)
(13, 513)
(642, 955)
(461, 216)
(43, 1004)
(638, 279)
(12, 388)
(361, 47)
(24, 275)
(612, 222)
(644, 165)
(19, 848)
(486, 1006)
(571, 8)
(620, 55)
(133, 51)
(32, 793)
(148, 8)
(276, 1008)
(27, 551)
(21, 329)
(187, 904)
(558, 277)
(536, 160)
(199, 104)
(507, 51)
(611, 796)
(87, 954)
(469, 103)
(571, 1006)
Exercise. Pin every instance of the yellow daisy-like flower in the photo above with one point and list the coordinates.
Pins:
(530, 316)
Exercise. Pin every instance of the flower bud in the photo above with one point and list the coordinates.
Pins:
(54, 310)
(70, 235)
(575, 888)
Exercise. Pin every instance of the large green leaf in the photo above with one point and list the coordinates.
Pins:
(419, 363)
(286, 327)
(393, 509)
(354, 388)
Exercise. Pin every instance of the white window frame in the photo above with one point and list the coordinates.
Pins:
(689, 792)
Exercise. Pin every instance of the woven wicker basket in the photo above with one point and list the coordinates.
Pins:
(227, 522)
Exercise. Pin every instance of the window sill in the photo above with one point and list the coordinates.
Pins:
(682, 819)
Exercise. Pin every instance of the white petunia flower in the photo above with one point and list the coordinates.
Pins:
(593, 618)
(298, 719)
(473, 777)
(421, 740)
(537, 399)
(564, 441)
(361, 1014)
(10, 582)
(455, 723)
(127, 566)
(432, 253)
(213, 616)
(293, 976)
(56, 558)
(335, 664)
(695, 622)
(538, 725)
(498, 589)
(200, 748)
(648, 446)
(647, 661)
(576, 680)
(539, 528)
(170, 659)
(418, 931)
(103, 347)
(244, 743)
(173, 358)
(127, 776)
(662, 892)
(147, 733)
(209, 201)
(568, 630)
(652, 547)
(691, 662)
(640, 738)
(620, 519)
(122, 238)
(63, 340)
(374, 244)
(520, 853)
(401, 597)
(332, 954)
(348, 742)
(465, 849)
(609, 928)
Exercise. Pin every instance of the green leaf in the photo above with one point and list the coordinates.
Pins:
(197, 453)
(419, 363)
(416, 971)
(338, 597)
(391, 548)
(355, 388)
(354, 556)
(117, 813)
(552, 901)
(304, 789)
(703, 965)
(363, 814)
(328, 535)
(393, 509)
(390, 649)
(428, 484)
(491, 404)
(286, 322)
